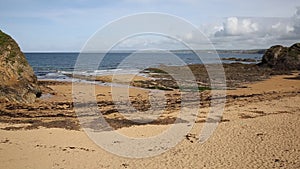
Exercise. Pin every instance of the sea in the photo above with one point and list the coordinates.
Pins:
(59, 66)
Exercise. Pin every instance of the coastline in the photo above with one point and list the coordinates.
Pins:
(259, 128)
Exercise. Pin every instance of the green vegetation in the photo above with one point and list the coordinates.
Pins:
(156, 70)
(194, 89)
(11, 57)
(20, 71)
(3, 38)
(160, 88)
(294, 54)
(15, 55)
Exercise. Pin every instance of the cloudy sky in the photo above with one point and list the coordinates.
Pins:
(66, 25)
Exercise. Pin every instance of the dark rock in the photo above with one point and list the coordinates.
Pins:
(282, 58)
(17, 80)
(240, 59)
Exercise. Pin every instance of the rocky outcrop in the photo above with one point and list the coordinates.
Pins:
(282, 58)
(17, 80)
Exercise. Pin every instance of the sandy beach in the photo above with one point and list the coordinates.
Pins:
(259, 129)
(150, 84)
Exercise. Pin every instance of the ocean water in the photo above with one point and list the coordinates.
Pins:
(57, 66)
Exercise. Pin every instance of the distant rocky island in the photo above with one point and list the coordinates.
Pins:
(17, 80)
(282, 58)
(250, 51)
(276, 57)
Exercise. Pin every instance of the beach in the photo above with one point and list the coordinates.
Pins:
(150, 84)
(259, 129)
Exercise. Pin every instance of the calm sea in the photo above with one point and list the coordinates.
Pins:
(58, 65)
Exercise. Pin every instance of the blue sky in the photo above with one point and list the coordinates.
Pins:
(65, 25)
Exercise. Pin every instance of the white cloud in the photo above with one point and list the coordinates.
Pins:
(250, 32)
(296, 21)
(277, 25)
(289, 29)
(233, 33)
(148, 41)
(247, 32)
(236, 27)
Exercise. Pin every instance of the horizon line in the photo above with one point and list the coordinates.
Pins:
(129, 50)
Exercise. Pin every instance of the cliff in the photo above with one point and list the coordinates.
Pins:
(282, 58)
(17, 80)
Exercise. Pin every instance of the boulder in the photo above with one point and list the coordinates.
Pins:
(17, 80)
(282, 58)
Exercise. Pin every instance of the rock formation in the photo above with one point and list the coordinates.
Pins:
(282, 58)
(17, 80)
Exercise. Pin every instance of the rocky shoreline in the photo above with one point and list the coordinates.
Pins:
(61, 114)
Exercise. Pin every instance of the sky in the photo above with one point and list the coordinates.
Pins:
(66, 25)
